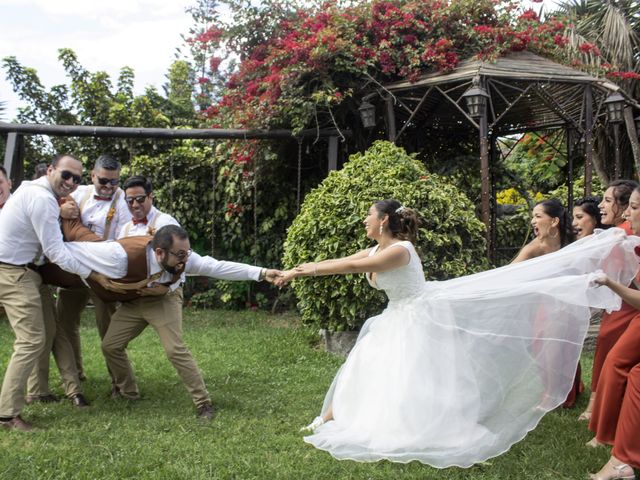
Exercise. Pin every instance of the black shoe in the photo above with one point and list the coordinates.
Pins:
(49, 398)
(79, 400)
(205, 411)
(16, 423)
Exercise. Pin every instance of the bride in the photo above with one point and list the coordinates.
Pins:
(455, 372)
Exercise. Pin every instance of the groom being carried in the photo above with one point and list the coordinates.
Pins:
(150, 271)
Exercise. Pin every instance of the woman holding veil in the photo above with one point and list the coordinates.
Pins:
(455, 372)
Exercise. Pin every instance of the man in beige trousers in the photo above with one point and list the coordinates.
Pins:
(28, 229)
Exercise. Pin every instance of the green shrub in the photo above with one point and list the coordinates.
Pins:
(329, 225)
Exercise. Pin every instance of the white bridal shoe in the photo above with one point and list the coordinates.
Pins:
(313, 425)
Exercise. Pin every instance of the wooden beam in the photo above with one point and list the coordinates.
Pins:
(13, 156)
(391, 119)
(588, 138)
(128, 132)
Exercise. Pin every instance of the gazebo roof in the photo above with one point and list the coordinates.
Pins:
(516, 66)
(527, 92)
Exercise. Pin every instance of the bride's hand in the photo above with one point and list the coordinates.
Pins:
(286, 277)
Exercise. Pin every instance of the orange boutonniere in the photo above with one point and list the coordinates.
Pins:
(110, 214)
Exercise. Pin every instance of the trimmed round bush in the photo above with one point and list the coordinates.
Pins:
(330, 225)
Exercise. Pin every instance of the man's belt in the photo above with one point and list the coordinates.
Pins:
(30, 266)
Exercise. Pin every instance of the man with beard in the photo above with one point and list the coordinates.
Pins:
(29, 228)
(150, 271)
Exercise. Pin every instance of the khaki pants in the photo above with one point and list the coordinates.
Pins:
(56, 342)
(20, 296)
(164, 314)
(71, 302)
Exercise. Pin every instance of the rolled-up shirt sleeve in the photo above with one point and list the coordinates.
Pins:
(210, 267)
(44, 219)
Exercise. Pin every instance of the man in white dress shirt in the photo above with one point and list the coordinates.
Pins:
(28, 229)
(100, 207)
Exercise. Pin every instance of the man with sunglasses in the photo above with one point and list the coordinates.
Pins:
(145, 218)
(29, 229)
(100, 207)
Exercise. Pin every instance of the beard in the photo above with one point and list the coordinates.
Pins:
(168, 268)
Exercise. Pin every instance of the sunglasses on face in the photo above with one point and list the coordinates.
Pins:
(181, 255)
(108, 181)
(138, 198)
(66, 175)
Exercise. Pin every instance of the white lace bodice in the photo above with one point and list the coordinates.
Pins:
(403, 282)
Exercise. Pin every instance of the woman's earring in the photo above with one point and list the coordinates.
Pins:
(381, 228)
(556, 234)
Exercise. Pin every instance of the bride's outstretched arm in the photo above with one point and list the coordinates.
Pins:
(629, 295)
(389, 259)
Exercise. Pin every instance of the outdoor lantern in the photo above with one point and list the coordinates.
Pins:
(615, 108)
(476, 98)
(367, 114)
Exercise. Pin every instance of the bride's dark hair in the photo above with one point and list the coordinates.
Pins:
(403, 221)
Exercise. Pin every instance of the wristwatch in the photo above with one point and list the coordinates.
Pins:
(263, 274)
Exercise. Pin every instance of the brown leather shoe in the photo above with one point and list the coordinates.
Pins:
(79, 400)
(205, 411)
(49, 398)
(16, 423)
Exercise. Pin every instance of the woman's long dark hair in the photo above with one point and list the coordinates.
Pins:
(554, 209)
(403, 221)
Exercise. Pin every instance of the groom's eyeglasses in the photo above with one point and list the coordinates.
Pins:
(138, 198)
(66, 175)
(108, 181)
(181, 255)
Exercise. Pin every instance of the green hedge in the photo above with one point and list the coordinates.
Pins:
(451, 239)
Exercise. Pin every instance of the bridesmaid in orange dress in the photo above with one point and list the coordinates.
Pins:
(612, 207)
(551, 229)
(609, 411)
(616, 412)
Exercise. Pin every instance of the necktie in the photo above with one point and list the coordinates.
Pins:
(143, 221)
(100, 197)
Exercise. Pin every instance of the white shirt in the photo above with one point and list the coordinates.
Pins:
(29, 228)
(110, 259)
(155, 219)
(93, 213)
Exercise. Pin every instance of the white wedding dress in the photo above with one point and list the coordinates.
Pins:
(455, 372)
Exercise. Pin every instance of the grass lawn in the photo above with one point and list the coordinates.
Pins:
(267, 378)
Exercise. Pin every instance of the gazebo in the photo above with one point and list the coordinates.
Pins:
(517, 93)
